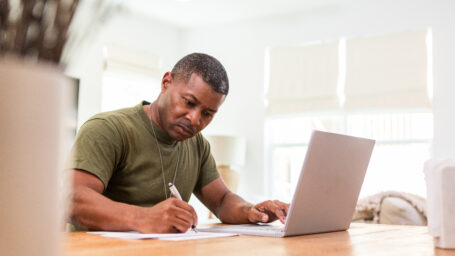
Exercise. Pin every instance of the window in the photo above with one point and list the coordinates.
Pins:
(126, 89)
(128, 78)
(403, 142)
(374, 87)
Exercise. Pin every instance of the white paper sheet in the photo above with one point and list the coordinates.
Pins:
(190, 235)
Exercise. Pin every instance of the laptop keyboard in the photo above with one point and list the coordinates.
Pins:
(247, 227)
(258, 227)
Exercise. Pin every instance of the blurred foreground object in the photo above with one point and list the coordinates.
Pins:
(36, 29)
(35, 100)
(440, 179)
(35, 109)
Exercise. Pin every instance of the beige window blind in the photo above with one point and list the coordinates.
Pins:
(387, 71)
(303, 78)
(117, 58)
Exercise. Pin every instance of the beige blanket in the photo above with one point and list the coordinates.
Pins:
(368, 209)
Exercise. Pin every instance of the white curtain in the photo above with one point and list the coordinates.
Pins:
(303, 78)
(387, 71)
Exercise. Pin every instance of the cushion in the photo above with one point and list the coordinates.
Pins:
(397, 211)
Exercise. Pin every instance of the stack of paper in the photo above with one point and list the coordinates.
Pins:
(168, 236)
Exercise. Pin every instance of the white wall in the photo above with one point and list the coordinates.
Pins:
(240, 47)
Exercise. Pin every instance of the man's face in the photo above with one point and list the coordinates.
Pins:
(186, 108)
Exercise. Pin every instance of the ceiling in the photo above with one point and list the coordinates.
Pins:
(191, 13)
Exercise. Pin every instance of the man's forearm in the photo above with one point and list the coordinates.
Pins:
(96, 212)
(233, 209)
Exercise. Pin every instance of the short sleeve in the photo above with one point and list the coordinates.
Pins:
(97, 149)
(208, 171)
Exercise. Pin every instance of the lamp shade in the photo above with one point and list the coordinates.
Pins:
(228, 150)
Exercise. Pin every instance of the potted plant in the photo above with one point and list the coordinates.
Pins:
(34, 97)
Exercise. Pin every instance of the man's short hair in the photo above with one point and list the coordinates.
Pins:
(207, 67)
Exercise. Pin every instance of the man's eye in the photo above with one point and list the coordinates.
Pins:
(187, 102)
(207, 114)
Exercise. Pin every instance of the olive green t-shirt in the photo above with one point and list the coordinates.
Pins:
(120, 149)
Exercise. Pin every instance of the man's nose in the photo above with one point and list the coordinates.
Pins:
(195, 117)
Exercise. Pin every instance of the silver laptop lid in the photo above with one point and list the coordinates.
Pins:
(329, 183)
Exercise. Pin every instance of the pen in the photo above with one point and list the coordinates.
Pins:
(176, 194)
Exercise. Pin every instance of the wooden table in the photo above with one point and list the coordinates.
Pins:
(360, 239)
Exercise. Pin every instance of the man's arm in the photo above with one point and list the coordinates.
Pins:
(231, 208)
(96, 212)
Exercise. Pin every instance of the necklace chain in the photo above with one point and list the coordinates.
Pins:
(161, 157)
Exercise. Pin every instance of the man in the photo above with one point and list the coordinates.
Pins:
(123, 160)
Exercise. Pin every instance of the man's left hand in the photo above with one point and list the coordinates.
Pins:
(268, 211)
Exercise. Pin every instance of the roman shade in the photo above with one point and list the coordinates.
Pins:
(387, 71)
(302, 78)
(126, 60)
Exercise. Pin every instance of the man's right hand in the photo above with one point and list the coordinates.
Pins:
(170, 216)
(92, 210)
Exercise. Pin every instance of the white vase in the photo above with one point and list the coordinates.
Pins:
(33, 110)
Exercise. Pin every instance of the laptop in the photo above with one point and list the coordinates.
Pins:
(327, 190)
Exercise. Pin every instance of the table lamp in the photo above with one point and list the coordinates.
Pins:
(228, 151)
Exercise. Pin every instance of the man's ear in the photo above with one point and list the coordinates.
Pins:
(166, 81)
